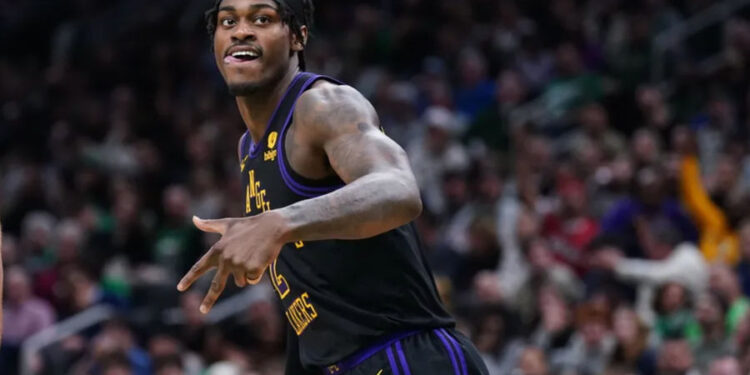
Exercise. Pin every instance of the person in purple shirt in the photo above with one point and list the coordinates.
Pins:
(634, 220)
(23, 315)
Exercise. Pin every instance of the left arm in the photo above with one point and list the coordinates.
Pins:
(381, 192)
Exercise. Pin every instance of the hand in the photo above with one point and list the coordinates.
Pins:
(555, 317)
(608, 258)
(246, 248)
(487, 287)
(683, 141)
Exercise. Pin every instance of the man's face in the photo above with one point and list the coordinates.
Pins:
(707, 311)
(252, 46)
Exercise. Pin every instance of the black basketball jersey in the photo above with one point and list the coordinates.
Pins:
(339, 296)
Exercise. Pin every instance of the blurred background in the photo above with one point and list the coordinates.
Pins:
(584, 166)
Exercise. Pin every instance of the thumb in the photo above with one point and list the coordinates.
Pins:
(212, 226)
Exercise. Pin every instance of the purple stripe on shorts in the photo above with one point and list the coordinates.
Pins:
(361, 356)
(458, 351)
(392, 361)
(402, 358)
(449, 349)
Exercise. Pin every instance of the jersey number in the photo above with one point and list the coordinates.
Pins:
(279, 282)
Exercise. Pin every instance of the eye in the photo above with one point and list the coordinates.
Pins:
(262, 20)
(227, 22)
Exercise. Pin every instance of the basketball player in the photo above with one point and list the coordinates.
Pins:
(329, 201)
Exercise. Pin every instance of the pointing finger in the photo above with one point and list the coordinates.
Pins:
(199, 268)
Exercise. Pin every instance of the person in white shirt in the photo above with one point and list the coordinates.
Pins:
(684, 265)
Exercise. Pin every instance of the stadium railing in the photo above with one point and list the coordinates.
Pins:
(101, 313)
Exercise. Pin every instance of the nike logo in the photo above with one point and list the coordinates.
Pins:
(379, 372)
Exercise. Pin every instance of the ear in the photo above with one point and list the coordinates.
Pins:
(297, 44)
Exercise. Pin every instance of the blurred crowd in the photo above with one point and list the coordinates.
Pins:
(584, 213)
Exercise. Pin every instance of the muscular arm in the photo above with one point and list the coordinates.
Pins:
(381, 192)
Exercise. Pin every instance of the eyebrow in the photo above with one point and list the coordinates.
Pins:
(254, 7)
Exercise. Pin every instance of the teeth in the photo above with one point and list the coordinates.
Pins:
(244, 54)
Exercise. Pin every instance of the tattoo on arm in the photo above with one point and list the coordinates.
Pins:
(381, 191)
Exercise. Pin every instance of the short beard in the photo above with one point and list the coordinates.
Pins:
(244, 89)
(266, 83)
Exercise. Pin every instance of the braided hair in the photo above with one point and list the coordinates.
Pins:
(295, 20)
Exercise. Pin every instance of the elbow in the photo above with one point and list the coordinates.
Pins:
(415, 208)
(403, 203)
(413, 205)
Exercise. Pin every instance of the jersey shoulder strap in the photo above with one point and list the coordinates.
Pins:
(283, 112)
(302, 83)
(298, 184)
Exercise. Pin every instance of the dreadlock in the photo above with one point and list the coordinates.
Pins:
(288, 17)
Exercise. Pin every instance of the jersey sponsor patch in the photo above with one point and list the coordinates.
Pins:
(270, 155)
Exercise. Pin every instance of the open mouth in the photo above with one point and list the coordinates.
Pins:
(241, 56)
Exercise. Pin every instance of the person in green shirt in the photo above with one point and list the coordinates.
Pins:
(674, 318)
(573, 87)
(712, 340)
(725, 283)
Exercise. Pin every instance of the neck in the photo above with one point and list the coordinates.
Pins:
(256, 109)
(734, 294)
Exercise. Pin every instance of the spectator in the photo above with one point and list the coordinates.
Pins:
(68, 244)
(675, 358)
(637, 220)
(177, 242)
(496, 339)
(743, 267)
(434, 154)
(725, 366)
(573, 86)
(570, 229)
(675, 317)
(555, 328)
(718, 241)
(80, 290)
(169, 357)
(23, 315)
(595, 130)
(484, 252)
(633, 353)
(684, 267)
(725, 284)
(492, 127)
(714, 341)
(589, 350)
(533, 362)
(171, 365)
(475, 90)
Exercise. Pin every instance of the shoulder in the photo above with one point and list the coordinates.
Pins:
(328, 95)
(327, 106)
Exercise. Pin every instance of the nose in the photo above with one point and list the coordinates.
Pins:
(242, 32)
